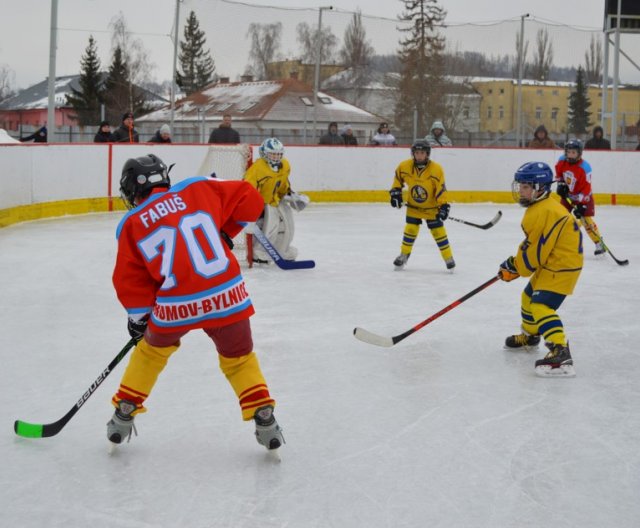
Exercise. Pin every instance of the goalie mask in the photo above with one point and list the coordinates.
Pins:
(272, 151)
(139, 176)
(536, 174)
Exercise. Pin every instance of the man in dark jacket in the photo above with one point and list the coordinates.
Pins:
(597, 142)
(104, 134)
(332, 137)
(125, 133)
(39, 136)
(224, 133)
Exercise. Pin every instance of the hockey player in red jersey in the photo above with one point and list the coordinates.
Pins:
(573, 175)
(175, 273)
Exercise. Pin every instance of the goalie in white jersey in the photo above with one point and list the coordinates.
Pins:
(270, 176)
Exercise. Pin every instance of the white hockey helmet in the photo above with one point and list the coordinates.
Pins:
(272, 150)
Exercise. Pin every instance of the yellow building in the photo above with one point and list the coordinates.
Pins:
(296, 69)
(547, 103)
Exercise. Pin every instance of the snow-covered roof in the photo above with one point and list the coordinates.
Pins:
(280, 100)
(37, 96)
(5, 138)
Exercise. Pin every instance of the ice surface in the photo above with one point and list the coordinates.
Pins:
(446, 429)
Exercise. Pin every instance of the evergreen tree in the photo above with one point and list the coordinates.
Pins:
(196, 64)
(420, 89)
(579, 122)
(86, 101)
(121, 95)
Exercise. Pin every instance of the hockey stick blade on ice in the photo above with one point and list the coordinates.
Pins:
(488, 225)
(277, 258)
(383, 341)
(31, 430)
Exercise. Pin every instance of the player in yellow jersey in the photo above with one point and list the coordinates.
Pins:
(270, 176)
(551, 255)
(426, 200)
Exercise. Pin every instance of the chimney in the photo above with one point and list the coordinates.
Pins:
(246, 78)
(223, 80)
(293, 74)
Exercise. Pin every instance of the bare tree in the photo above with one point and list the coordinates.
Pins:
(7, 79)
(134, 54)
(593, 61)
(356, 53)
(308, 40)
(543, 56)
(265, 46)
(516, 58)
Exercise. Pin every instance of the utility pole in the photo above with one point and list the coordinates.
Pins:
(316, 83)
(174, 86)
(519, 125)
(53, 38)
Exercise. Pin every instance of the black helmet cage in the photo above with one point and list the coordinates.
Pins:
(139, 176)
(573, 144)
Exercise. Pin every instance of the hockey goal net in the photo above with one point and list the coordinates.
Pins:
(229, 162)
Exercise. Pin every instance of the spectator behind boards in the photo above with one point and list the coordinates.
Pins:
(332, 137)
(104, 134)
(162, 136)
(541, 139)
(39, 136)
(597, 142)
(383, 137)
(224, 133)
(348, 137)
(125, 133)
(437, 137)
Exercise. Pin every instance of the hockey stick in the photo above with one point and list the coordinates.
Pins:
(383, 341)
(277, 258)
(587, 228)
(30, 430)
(488, 225)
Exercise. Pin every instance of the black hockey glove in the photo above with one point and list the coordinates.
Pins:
(562, 189)
(396, 198)
(137, 328)
(579, 210)
(443, 212)
(227, 239)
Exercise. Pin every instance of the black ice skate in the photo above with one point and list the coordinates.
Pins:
(401, 261)
(521, 341)
(450, 263)
(121, 424)
(268, 432)
(556, 363)
(599, 249)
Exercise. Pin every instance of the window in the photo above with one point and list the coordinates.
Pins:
(554, 92)
(325, 100)
(247, 106)
(306, 101)
(554, 113)
(599, 115)
(222, 107)
(539, 91)
(501, 112)
(501, 91)
(465, 112)
(490, 90)
(489, 112)
(538, 113)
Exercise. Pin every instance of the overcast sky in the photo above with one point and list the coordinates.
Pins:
(24, 39)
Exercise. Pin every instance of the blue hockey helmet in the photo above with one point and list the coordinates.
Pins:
(537, 174)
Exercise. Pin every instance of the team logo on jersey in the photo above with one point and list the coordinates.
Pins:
(419, 194)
